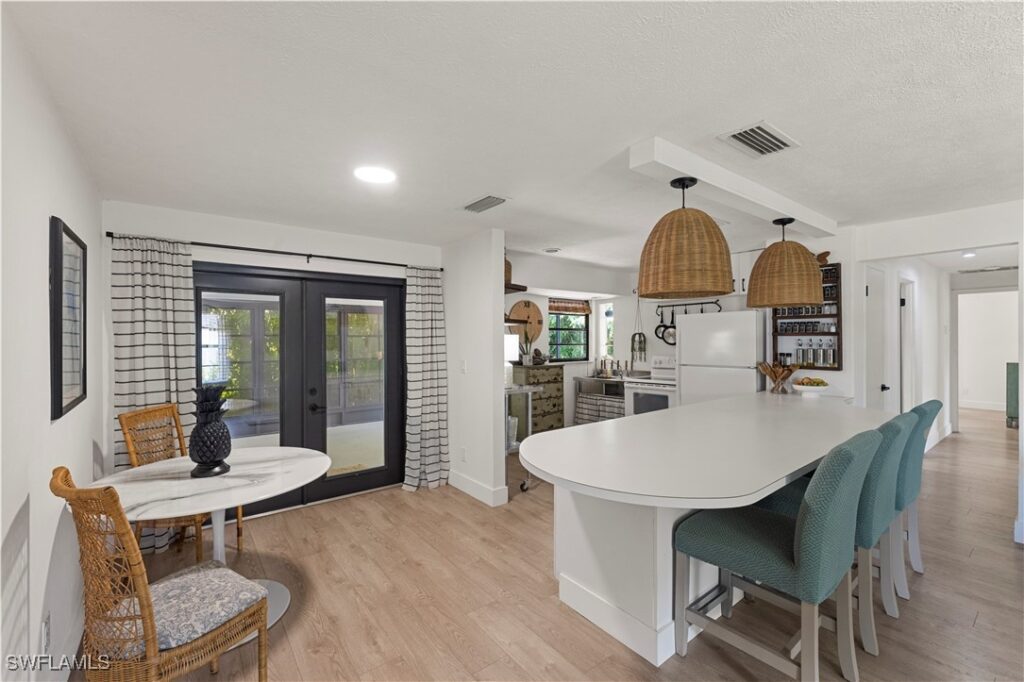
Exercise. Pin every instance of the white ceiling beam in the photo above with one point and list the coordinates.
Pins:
(662, 160)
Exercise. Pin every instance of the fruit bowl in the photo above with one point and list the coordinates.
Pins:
(809, 389)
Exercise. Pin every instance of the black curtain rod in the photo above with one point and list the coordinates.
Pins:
(307, 256)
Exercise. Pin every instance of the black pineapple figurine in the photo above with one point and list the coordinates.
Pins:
(210, 442)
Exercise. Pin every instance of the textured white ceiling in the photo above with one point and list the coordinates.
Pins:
(262, 110)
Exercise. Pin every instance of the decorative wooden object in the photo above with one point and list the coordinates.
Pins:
(686, 255)
(832, 278)
(527, 310)
(119, 618)
(548, 405)
(777, 374)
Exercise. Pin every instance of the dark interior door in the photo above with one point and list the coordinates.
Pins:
(309, 360)
(354, 385)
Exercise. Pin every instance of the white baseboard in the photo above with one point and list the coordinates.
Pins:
(657, 646)
(983, 405)
(493, 497)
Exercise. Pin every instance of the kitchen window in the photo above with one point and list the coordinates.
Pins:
(568, 329)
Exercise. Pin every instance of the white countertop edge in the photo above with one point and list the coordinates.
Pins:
(668, 502)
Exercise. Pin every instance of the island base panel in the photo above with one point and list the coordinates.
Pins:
(615, 566)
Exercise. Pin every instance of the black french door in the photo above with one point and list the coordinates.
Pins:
(310, 360)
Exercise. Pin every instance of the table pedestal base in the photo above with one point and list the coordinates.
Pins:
(278, 596)
(278, 601)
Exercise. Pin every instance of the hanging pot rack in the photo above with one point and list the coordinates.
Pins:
(686, 306)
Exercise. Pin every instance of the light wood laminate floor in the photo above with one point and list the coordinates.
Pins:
(433, 585)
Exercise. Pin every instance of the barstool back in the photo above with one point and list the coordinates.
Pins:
(823, 542)
(877, 506)
(908, 483)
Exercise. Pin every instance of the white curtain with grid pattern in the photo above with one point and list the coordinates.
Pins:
(426, 406)
(153, 310)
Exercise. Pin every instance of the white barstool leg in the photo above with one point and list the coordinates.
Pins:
(844, 627)
(682, 600)
(866, 602)
(914, 538)
(809, 642)
(899, 563)
(886, 582)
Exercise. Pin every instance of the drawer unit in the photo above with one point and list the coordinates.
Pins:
(548, 405)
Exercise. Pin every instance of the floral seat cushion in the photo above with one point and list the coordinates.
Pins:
(194, 601)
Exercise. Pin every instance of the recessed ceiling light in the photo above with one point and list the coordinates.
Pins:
(552, 249)
(968, 254)
(375, 174)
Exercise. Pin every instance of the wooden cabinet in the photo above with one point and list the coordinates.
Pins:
(548, 405)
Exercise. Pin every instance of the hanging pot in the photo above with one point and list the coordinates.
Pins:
(659, 331)
(669, 335)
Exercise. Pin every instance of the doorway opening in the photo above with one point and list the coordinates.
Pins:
(986, 331)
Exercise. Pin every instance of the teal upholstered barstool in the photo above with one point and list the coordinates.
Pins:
(908, 488)
(796, 563)
(876, 512)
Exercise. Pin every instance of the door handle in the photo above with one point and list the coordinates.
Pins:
(885, 388)
(743, 284)
(314, 408)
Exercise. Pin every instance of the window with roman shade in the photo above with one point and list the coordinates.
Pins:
(568, 329)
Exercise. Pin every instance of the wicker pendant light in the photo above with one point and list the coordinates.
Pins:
(785, 273)
(686, 255)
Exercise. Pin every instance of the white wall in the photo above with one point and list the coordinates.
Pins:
(474, 274)
(987, 327)
(168, 223)
(42, 176)
(977, 227)
(560, 274)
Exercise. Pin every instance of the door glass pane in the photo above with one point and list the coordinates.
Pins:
(241, 347)
(354, 361)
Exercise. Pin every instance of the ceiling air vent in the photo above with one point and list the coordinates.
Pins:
(759, 140)
(481, 205)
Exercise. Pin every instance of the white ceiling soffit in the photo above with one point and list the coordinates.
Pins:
(989, 257)
(662, 160)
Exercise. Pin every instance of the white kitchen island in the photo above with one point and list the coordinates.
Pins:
(622, 485)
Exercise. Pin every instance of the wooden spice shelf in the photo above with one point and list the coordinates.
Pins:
(835, 280)
(807, 334)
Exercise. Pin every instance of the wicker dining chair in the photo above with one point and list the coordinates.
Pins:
(153, 434)
(137, 631)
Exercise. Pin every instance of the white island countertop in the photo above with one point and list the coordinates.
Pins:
(722, 453)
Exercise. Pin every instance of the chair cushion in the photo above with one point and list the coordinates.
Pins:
(194, 601)
(755, 543)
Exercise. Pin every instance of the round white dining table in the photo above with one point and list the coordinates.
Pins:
(165, 489)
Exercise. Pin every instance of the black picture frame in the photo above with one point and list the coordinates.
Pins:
(68, 256)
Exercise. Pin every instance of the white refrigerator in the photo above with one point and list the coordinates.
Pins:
(717, 354)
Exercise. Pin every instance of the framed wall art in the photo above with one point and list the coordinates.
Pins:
(67, 318)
